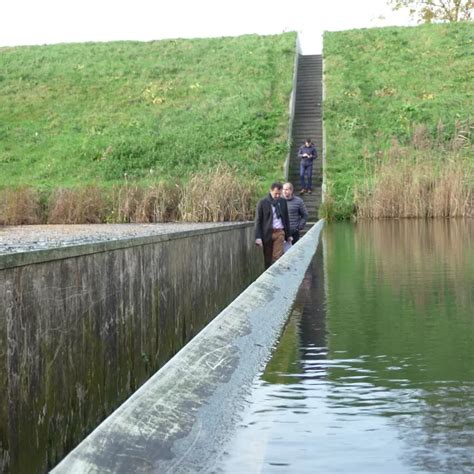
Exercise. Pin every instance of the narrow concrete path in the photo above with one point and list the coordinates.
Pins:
(307, 123)
(180, 420)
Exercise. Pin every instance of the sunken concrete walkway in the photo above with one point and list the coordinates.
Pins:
(179, 420)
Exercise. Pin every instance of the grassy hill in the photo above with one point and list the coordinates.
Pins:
(134, 131)
(77, 114)
(131, 131)
(398, 117)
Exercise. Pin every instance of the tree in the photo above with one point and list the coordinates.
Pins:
(428, 11)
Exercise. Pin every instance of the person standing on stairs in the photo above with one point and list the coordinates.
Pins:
(296, 211)
(307, 154)
(272, 225)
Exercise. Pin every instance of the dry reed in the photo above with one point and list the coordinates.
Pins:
(218, 196)
(125, 202)
(86, 205)
(415, 190)
(159, 203)
(20, 206)
(423, 179)
(154, 203)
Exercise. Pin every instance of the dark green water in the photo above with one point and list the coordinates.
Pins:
(375, 369)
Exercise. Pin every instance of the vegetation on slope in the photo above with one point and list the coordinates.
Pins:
(98, 113)
(398, 110)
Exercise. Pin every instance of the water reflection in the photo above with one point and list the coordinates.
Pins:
(303, 342)
(375, 369)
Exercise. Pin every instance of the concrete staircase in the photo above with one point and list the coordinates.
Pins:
(307, 123)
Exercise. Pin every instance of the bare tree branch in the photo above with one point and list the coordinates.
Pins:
(436, 10)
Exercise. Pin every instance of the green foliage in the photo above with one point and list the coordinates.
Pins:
(79, 114)
(380, 85)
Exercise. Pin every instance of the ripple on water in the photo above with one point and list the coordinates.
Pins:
(375, 372)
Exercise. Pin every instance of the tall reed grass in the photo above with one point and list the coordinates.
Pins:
(153, 203)
(426, 178)
(86, 205)
(220, 195)
(20, 206)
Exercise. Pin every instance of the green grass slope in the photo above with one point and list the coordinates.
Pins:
(384, 85)
(93, 113)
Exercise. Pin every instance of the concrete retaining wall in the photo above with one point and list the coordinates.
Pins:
(181, 418)
(292, 105)
(81, 328)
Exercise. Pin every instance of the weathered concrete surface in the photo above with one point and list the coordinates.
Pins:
(30, 243)
(82, 327)
(179, 420)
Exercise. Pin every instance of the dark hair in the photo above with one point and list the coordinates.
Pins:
(276, 185)
(308, 140)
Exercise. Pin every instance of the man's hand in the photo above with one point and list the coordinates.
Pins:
(258, 242)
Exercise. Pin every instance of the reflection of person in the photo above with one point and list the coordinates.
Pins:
(272, 226)
(307, 154)
(297, 212)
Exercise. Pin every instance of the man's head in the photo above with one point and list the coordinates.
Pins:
(307, 142)
(288, 190)
(275, 190)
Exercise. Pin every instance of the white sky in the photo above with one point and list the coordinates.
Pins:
(24, 22)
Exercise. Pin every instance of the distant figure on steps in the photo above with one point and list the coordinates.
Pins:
(307, 154)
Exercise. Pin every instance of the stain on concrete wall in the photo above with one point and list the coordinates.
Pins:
(79, 334)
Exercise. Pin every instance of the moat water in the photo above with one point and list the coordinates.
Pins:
(374, 371)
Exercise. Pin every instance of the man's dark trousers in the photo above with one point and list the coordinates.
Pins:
(306, 168)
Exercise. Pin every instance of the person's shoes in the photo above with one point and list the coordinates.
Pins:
(302, 191)
(309, 191)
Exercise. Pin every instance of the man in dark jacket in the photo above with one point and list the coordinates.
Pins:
(272, 226)
(307, 154)
(296, 211)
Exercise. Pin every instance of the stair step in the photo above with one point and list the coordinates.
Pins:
(307, 122)
(313, 115)
(304, 132)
